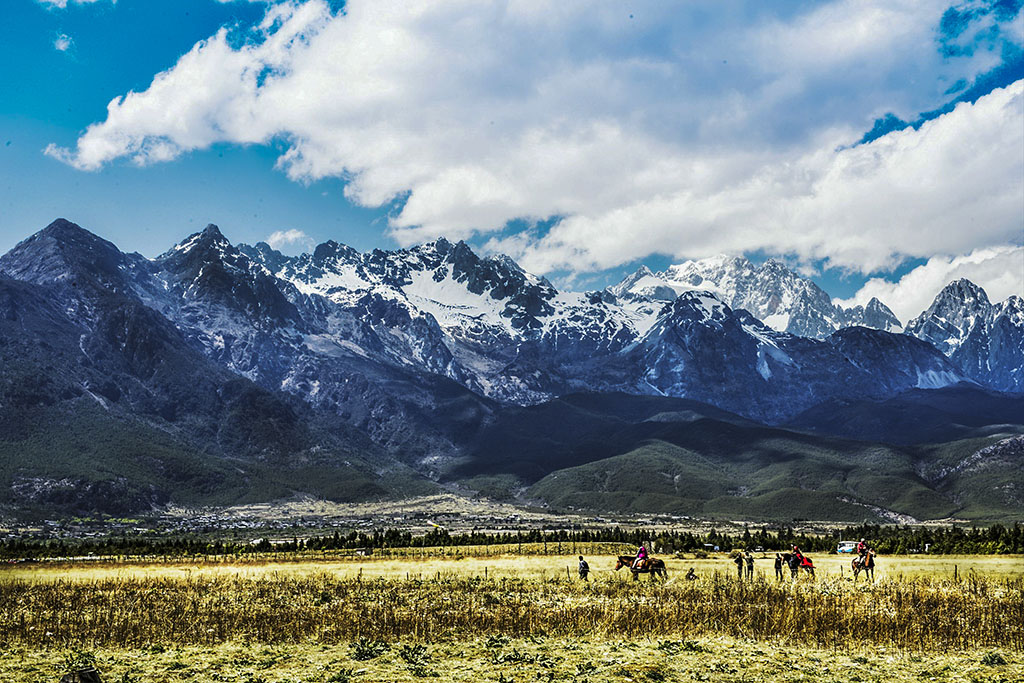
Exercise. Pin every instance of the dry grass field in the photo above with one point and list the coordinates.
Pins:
(526, 660)
(508, 617)
(483, 562)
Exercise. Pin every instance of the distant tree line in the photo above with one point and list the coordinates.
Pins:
(996, 539)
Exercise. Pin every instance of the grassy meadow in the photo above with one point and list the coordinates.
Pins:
(524, 660)
(490, 562)
(508, 617)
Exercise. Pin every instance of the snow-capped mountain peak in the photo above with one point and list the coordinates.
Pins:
(772, 292)
(953, 313)
(354, 332)
(985, 340)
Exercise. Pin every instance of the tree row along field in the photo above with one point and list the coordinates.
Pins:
(446, 598)
(995, 539)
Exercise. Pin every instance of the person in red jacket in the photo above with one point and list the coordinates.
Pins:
(862, 552)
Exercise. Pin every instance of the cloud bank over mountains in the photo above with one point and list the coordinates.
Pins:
(1000, 268)
(613, 134)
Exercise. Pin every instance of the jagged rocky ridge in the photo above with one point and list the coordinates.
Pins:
(105, 404)
(354, 365)
(984, 340)
(771, 292)
(417, 347)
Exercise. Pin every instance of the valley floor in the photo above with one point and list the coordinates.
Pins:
(510, 618)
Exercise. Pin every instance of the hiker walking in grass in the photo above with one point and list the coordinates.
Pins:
(584, 569)
(750, 565)
(739, 566)
(778, 567)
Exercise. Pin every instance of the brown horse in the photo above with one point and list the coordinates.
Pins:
(865, 564)
(651, 565)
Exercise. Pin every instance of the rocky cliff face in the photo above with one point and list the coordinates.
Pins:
(984, 340)
(700, 348)
(771, 292)
(215, 371)
(416, 348)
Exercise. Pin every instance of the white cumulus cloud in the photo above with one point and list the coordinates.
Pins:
(948, 187)
(998, 270)
(664, 127)
(63, 43)
(281, 239)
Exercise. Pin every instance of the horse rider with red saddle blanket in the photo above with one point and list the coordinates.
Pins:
(804, 560)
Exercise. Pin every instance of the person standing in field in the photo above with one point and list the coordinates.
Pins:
(739, 566)
(750, 565)
(778, 567)
(584, 569)
(794, 564)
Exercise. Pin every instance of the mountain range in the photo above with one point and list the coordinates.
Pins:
(219, 372)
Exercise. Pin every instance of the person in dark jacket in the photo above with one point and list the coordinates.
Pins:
(794, 564)
(739, 566)
(584, 569)
(749, 557)
(778, 566)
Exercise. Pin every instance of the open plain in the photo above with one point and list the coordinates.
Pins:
(463, 615)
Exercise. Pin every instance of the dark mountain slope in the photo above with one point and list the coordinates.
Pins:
(222, 373)
(668, 455)
(918, 416)
(701, 349)
(116, 411)
(213, 300)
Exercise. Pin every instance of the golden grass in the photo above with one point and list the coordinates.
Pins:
(510, 617)
(470, 562)
(593, 659)
(295, 607)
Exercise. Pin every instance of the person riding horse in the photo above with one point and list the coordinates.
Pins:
(641, 557)
(862, 550)
(651, 565)
(797, 560)
(864, 563)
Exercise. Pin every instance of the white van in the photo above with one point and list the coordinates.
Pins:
(847, 547)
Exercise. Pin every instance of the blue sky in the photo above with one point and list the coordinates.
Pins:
(51, 96)
(876, 146)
